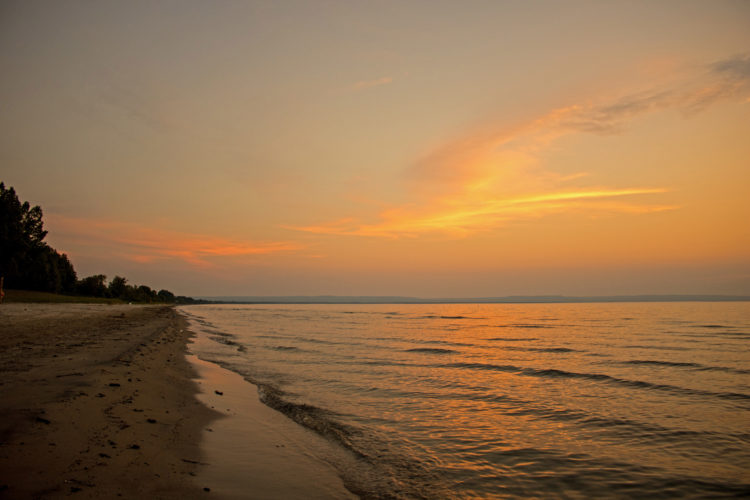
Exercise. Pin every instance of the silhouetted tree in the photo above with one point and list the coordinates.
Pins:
(25, 260)
(46, 269)
(93, 286)
(165, 296)
(118, 287)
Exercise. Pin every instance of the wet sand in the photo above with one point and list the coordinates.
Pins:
(256, 452)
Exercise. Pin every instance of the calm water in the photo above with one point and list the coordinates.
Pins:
(497, 400)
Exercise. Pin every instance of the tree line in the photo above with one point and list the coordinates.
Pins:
(28, 263)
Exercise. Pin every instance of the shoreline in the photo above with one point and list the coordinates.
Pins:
(108, 401)
(98, 401)
(254, 451)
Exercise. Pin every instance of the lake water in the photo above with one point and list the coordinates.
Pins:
(505, 400)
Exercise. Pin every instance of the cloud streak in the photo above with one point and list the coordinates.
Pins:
(366, 84)
(491, 175)
(148, 245)
(485, 213)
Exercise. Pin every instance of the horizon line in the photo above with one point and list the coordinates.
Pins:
(508, 299)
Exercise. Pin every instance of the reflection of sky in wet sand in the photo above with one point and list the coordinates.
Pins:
(251, 451)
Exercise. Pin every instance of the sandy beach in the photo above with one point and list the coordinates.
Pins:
(97, 401)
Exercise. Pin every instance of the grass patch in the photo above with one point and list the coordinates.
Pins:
(31, 296)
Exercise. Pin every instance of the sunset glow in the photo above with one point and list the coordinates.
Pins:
(306, 148)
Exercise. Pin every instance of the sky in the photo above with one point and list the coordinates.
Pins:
(420, 148)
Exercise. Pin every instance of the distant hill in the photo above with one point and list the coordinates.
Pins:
(515, 299)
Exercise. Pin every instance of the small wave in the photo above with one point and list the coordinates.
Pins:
(223, 339)
(424, 341)
(539, 349)
(434, 316)
(320, 341)
(512, 339)
(696, 366)
(431, 350)
(630, 429)
(657, 347)
(271, 336)
(525, 325)
(444, 342)
(660, 363)
(312, 417)
(618, 427)
(727, 369)
(599, 377)
(212, 331)
(226, 340)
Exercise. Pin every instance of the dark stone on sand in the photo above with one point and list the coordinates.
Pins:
(114, 384)
(151, 420)
(219, 393)
(42, 420)
(134, 447)
(206, 489)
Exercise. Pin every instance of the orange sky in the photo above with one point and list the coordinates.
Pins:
(418, 148)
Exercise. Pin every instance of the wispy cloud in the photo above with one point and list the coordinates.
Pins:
(491, 175)
(728, 78)
(466, 217)
(366, 84)
(734, 68)
(146, 244)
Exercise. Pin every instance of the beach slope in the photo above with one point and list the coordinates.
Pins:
(97, 401)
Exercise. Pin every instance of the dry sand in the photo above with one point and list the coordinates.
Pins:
(97, 401)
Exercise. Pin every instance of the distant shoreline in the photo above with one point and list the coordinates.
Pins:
(520, 299)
